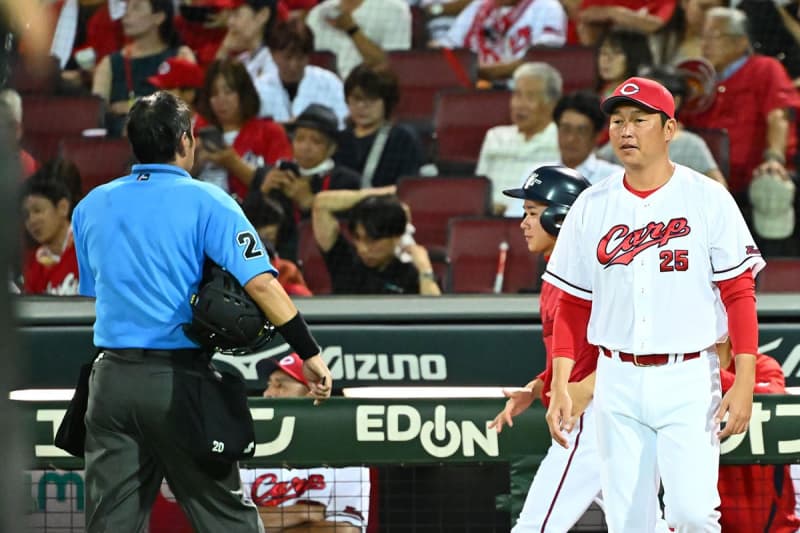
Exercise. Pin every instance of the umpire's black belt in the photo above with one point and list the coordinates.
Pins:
(186, 356)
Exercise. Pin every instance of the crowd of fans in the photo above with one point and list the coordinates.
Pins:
(295, 104)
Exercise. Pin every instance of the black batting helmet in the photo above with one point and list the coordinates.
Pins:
(225, 318)
(555, 185)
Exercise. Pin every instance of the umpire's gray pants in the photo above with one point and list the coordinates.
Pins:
(130, 449)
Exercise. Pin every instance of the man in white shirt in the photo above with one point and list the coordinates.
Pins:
(579, 120)
(360, 30)
(508, 151)
(501, 31)
(295, 84)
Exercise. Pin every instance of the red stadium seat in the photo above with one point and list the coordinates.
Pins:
(434, 201)
(99, 160)
(461, 121)
(323, 59)
(720, 146)
(43, 80)
(48, 119)
(782, 274)
(423, 73)
(473, 248)
(311, 262)
(577, 64)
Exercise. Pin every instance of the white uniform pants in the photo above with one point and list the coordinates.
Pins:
(658, 423)
(566, 483)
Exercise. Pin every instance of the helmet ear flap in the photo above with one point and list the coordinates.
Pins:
(552, 218)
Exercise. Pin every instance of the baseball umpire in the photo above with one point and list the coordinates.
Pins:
(142, 242)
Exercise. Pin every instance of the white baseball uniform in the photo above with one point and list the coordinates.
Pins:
(343, 491)
(649, 266)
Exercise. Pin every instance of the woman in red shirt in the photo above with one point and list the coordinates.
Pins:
(237, 142)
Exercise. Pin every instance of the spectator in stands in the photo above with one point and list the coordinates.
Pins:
(580, 120)
(202, 26)
(297, 84)
(370, 264)
(334, 499)
(756, 497)
(680, 37)
(267, 217)
(46, 208)
(121, 77)
(84, 33)
(11, 114)
(501, 31)
(294, 184)
(686, 148)
(381, 152)
(774, 29)
(229, 103)
(249, 28)
(360, 31)
(620, 56)
(508, 151)
(181, 77)
(646, 16)
(755, 101)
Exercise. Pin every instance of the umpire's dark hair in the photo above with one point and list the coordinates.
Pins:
(382, 217)
(238, 79)
(156, 125)
(584, 102)
(374, 83)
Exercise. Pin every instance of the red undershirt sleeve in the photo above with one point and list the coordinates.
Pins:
(739, 298)
(569, 326)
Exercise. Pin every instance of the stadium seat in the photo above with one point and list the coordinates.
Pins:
(99, 160)
(310, 260)
(782, 274)
(720, 146)
(48, 119)
(423, 73)
(577, 64)
(43, 81)
(434, 201)
(473, 249)
(461, 121)
(323, 59)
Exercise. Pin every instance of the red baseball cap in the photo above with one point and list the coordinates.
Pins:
(292, 365)
(178, 73)
(641, 92)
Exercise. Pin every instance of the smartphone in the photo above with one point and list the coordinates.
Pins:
(211, 137)
(290, 166)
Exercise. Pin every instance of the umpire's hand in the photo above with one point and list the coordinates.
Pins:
(319, 378)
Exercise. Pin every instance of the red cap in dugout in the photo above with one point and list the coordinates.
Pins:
(291, 364)
(641, 92)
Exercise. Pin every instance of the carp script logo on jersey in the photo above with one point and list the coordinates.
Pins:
(621, 244)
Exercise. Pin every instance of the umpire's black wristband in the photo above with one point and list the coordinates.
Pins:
(296, 333)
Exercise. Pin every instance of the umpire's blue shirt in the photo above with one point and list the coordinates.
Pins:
(141, 242)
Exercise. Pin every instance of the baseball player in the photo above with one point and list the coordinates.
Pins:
(142, 241)
(567, 480)
(643, 259)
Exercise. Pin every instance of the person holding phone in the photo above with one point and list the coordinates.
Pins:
(294, 183)
(234, 142)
